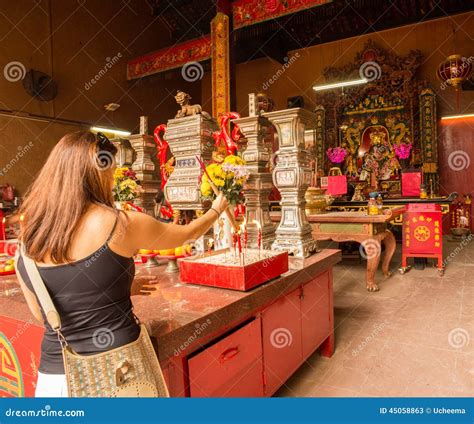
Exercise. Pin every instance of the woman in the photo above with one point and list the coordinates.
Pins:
(84, 251)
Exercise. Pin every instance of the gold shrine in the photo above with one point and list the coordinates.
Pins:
(370, 120)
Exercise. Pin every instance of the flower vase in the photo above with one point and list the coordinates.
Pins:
(223, 231)
(120, 205)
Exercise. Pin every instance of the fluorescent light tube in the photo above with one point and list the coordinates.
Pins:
(110, 130)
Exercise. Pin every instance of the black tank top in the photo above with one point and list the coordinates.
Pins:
(92, 296)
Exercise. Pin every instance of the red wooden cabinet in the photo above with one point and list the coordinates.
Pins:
(281, 337)
(259, 357)
(316, 313)
(231, 367)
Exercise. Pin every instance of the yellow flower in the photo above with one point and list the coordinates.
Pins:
(206, 190)
(215, 170)
(128, 183)
(119, 173)
(234, 160)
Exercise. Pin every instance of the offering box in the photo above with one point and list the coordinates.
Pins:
(224, 269)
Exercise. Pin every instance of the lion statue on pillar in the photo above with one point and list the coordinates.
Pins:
(187, 109)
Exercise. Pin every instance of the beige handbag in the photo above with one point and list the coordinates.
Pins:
(131, 370)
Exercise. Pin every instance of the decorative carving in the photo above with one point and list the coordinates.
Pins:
(247, 12)
(220, 64)
(256, 130)
(429, 137)
(319, 132)
(166, 168)
(292, 175)
(188, 137)
(144, 168)
(226, 143)
(388, 102)
(187, 109)
(176, 56)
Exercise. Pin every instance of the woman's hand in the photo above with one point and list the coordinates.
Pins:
(143, 285)
(220, 203)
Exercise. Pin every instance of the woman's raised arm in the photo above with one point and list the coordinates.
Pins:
(145, 232)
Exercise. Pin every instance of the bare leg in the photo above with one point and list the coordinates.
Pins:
(390, 246)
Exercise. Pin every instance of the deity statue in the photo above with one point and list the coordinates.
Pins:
(381, 159)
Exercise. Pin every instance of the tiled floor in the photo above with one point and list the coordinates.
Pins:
(415, 337)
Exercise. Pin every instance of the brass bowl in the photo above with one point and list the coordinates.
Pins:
(459, 232)
(317, 201)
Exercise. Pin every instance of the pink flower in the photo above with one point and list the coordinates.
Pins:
(403, 150)
(336, 154)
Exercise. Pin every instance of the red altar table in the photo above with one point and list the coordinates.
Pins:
(211, 342)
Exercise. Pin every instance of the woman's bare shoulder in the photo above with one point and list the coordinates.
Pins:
(99, 219)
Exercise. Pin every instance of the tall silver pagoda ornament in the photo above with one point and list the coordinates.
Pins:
(144, 167)
(189, 135)
(292, 176)
(257, 155)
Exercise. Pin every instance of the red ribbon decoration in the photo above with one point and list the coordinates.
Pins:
(162, 151)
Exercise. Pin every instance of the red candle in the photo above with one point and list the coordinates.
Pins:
(234, 240)
(243, 229)
(259, 237)
(239, 243)
(2, 227)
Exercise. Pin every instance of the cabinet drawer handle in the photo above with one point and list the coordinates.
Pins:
(229, 354)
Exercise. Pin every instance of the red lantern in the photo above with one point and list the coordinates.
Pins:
(454, 71)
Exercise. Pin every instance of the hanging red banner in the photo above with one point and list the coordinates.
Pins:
(249, 12)
(170, 57)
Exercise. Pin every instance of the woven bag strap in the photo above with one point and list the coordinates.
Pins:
(41, 292)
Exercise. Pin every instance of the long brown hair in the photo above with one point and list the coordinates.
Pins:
(78, 172)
